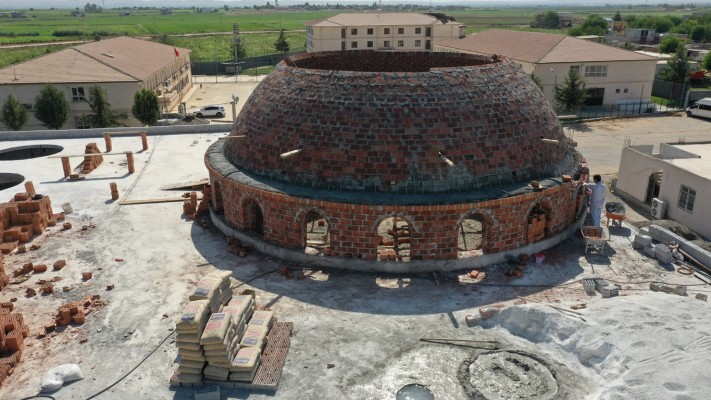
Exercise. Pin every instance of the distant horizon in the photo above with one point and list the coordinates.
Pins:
(115, 4)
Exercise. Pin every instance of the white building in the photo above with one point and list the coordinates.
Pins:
(612, 76)
(121, 66)
(678, 174)
(380, 31)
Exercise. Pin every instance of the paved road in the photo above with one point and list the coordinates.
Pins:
(601, 142)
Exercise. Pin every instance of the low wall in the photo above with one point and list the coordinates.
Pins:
(51, 134)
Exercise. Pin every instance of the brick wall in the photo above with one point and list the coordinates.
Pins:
(434, 228)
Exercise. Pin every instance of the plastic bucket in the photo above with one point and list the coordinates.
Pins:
(67, 208)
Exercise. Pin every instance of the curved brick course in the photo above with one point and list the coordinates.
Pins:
(373, 145)
(384, 131)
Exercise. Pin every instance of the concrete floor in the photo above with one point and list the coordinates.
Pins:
(367, 326)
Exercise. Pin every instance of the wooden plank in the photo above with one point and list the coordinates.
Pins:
(186, 185)
(90, 155)
(152, 201)
(232, 137)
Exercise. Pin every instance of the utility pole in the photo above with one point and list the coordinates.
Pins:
(236, 41)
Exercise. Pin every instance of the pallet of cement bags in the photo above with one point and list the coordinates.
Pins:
(262, 318)
(215, 288)
(244, 365)
(254, 336)
(241, 305)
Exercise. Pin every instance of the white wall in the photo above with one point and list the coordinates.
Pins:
(328, 38)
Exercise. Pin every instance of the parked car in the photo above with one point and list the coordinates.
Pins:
(211, 111)
(701, 108)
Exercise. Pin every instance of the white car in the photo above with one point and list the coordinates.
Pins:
(211, 111)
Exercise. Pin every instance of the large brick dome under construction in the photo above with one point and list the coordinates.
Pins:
(396, 156)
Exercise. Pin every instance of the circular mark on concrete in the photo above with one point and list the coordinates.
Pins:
(507, 375)
(28, 152)
(414, 391)
(9, 180)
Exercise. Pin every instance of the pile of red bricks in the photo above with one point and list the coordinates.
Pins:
(4, 279)
(75, 312)
(26, 215)
(13, 331)
(191, 208)
(90, 163)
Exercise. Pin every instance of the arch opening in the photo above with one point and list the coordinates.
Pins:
(217, 201)
(394, 240)
(254, 219)
(538, 221)
(316, 234)
(473, 236)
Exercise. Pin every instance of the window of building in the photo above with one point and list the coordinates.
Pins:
(354, 45)
(400, 43)
(627, 90)
(575, 68)
(418, 31)
(343, 33)
(400, 31)
(354, 31)
(78, 94)
(28, 107)
(370, 43)
(82, 122)
(617, 90)
(386, 44)
(595, 71)
(386, 31)
(370, 31)
(343, 45)
(428, 45)
(687, 196)
(418, 43)
(428, 32)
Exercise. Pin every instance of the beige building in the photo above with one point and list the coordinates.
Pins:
(678, 175)
(122, 66)
(612, 76)
(380, 31)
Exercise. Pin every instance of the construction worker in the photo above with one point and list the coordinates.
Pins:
(597, 198)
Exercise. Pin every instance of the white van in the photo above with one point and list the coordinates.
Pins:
(701, 108)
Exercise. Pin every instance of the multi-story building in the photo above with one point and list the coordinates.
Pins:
(380, 31)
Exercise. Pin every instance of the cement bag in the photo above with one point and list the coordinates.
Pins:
(216, 328)
(193, 316)
(245, 360)
(221, 275)
(59, 375)
(206, 289)
(254, 336)
(262, 318)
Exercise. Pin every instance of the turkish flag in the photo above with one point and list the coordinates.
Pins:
(177, 53)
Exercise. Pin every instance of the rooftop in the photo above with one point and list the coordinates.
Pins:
(120, 59)
(541, 48)
(700, 165)
(377, 19)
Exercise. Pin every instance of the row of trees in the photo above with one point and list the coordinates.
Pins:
(52, 109)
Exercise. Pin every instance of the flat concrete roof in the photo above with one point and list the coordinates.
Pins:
(698, 166)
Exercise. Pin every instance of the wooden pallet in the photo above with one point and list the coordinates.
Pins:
(272, 361)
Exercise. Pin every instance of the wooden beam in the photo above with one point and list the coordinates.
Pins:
(152, 201)
(90, 155)
(232, 137)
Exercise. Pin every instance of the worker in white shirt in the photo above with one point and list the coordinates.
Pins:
(597, 198)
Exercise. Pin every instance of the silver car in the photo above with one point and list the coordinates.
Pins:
(211, 111)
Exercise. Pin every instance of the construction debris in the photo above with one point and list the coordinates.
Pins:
(23, 217)
(76, 312)
(13, 331)
(658, 287)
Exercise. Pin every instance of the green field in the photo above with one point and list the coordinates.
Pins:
(41, 24)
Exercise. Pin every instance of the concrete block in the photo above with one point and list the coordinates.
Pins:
(663, 254)
(701, 296)
(649, 250)
(641, 241)
(487, 312)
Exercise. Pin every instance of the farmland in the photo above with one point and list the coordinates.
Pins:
(258, 27)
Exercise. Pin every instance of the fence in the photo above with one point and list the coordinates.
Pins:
(621, 110)
(220, 66)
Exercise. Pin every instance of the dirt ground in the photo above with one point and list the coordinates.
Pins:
(357, 336)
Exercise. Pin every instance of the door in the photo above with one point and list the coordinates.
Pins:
(595, 97)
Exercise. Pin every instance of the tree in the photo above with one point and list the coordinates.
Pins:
(538, 80)
(13, 114)
(706, 63)
(549, 20)
(698, 33)
(670, 44)
(51, 108)
(101, 115)
(145, 107)
(617, 17)
(677, 67)
(572, 93)
(281, 44)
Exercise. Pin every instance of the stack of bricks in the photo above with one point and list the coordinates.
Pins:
(26, 215)
(90, 163)
(190, 205)
(536, 228)
(4, 279)
(75, 312)
(13, 331)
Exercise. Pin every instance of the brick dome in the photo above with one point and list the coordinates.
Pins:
(403, 122)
